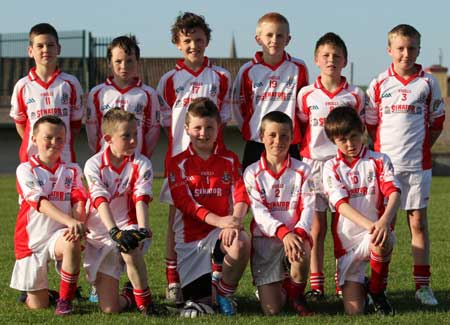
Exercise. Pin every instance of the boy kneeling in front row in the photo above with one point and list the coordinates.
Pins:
(207, 189)
(361, 186)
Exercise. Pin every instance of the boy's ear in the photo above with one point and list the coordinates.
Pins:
(59, 48)
(33, 139)
(288, 40)
(30, 51)
(258, 40)
(107, 138)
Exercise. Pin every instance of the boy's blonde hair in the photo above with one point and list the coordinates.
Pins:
(113, 117)
(405, 31)
(272, 17)
(276, 117)
(202, 107)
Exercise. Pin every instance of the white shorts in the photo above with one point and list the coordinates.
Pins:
(321, 200)
(31, 273)
(165, 196)
(103, 256)
(415, 188)
(194, 258)
(352, 266)
(267, 260)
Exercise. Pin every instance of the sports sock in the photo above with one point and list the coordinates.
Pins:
(380, 268)
(317, 281)
(68, 285)
(171, 271)
(336, 283)
(293, 289)
(422, 276)
(225, 289)
(142, 297)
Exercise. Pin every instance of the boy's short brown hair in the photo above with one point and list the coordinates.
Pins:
(276, 117)
(331, 39)
(341, 121)
(42, 28)
(127, 43)
(51, 119)
(187, 21)
(272, 17)
(202, 107)
(405, 31)
(113, 117)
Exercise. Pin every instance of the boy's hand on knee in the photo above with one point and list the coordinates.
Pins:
(227, 236)
(293, 247)
(380, 233)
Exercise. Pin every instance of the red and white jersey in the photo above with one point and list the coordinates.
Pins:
(260, 88)
(61, 185)
(138, 98)
(364, 184)
(315, 103)
(282, 202)
(121, 187)
(199, 186)
(403, 112)
(32, 98)
(179, 86)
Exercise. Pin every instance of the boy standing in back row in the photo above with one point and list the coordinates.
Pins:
(194, 76)
(404, 117)
(315, 102)
(46, 91)
(270, 82)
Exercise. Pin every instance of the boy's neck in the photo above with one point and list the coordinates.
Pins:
(194, 66)
(275, 163)
(45, 73)
(123, 83)
(115, 159)
(406, 74)
(272, 59)
(330, 83)
(49, 163)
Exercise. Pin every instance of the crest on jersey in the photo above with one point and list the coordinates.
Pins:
(147, 174)
(290, 82)
(370, 177)
(65, 112)
(33, 115)
(213, 91)
(30, 184)
(68, 182)
(329, 182)
(139, 108)
(171, 178)
(226, 178)
(387, 110)
(65, 99)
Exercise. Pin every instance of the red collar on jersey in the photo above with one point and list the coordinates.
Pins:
(181, 65)
(192, 151)
(265, 166)
(32, 75)
(36, 162)
(258, 59)
(136, 83)
(419, 72)
(342, 85)
(107, 160)
(361, 154)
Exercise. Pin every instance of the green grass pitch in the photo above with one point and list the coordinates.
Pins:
(400, 288)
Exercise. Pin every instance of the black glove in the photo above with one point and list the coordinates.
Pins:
(124, 240)
(140, 234)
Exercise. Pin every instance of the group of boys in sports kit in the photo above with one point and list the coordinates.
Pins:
(305, 154)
